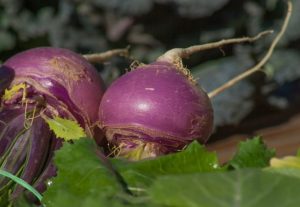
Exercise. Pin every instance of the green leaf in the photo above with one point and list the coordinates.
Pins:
(22, 183)
(252, 153)
(293, 172)
(242, 188)
(193, 159)
(65, 129)
(188, 178)
(81, 180)
(84, 180)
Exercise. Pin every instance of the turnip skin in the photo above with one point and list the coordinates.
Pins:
(61, 73)
(155, 107)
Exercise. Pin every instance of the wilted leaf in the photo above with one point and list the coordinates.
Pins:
(9, 93)
(286, 162)
(288, 165)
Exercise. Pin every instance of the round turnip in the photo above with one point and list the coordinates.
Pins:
(155, 109)
(42, 82)
(66, 79)
(158, 108)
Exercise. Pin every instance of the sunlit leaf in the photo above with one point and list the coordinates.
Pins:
(65, 129)
(288, 161)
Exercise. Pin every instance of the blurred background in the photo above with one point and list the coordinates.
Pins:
(267, 103)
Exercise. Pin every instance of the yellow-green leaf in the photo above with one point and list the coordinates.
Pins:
(65, 129)
(9, 93)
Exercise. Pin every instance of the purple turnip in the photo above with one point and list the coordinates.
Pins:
(156, 109)
(65, 79)
(38, 83)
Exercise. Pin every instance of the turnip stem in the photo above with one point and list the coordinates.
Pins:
(173, 54)
(258, 66)
(104, 56)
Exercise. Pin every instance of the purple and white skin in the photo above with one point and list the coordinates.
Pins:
(155, 109)
(58, 82)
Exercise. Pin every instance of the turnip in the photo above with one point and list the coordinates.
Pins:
(158, 108)
(59, 75)
(36, 85)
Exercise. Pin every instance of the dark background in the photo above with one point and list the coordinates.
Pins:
(151, 27)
